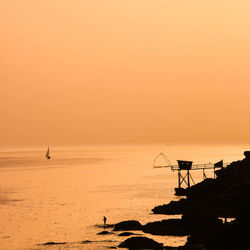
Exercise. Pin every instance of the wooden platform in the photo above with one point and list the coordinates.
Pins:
(184, 169)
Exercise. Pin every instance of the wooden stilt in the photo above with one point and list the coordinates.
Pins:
(204, 174)
(179, 178)
(188, 178)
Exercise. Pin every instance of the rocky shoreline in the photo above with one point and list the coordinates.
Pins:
(214, 215)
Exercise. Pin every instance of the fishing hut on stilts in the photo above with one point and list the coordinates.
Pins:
(184, 168)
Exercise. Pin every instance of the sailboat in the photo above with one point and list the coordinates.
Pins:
(47, 154)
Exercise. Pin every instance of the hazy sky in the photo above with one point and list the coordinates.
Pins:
(131, 71)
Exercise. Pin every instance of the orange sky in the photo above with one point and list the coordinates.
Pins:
(110, 71)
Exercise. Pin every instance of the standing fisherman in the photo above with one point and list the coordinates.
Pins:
(104, 221)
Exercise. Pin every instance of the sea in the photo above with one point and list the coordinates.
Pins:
(64, 199)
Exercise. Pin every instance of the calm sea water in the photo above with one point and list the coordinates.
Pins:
(65, 198)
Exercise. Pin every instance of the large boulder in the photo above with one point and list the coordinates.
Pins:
(167, 227)
(128, 225)
(141, 243)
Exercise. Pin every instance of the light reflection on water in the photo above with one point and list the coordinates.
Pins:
(64, 198)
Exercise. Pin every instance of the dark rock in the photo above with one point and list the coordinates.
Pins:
(193, 243)
(226, 196)
(236, 172)
(126, 234)
(180, 227)
(204, 189)
(167, 227)
(104, 232)
(174, 207)
(128, 225)
(233, 235)
(180, 191)
(140, 243)
(247, 154)
(54, 243)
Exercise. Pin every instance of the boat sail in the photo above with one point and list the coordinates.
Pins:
(47, 154)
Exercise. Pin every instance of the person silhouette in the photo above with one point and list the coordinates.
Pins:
(104, 221)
